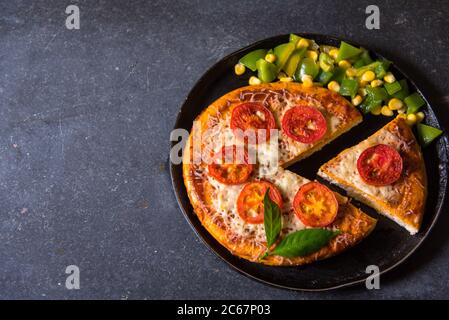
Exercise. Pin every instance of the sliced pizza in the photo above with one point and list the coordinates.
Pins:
(385, 171)
(228, 196)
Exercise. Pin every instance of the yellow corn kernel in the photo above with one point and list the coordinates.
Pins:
(307, 84)
(395, 104)
(307, 81)
(270, 57)
(402, 110)
(357, 100)
(376, 111)
(411, 119)
(351, 72)
(333, 53)
(306, 77)
(286, 79)
(420, 116)
(389, 78)
(326, 65)
(334, 86)
(253, 80)
(362, 92)
(239, 69)
(312, 55)
(302, 43)
(402, 116)
(368, 76)
(362, 84)
(281, 75)
(345, 64)
(386, 111)
(376, 83)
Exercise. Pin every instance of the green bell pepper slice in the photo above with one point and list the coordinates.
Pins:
(381, 70)
(363, 60)
(282, 53)
(386, 64)
(404, 92)
(365, 57)
(249, 60)
(266, 71)
(393, 88)
(414, 102)
(426, 134)
(377, 93)
(370, 103)
(349, 87)
(324, 77)
(359, 63)
(326, 62)
(347, 51)
(339, 74)
(294, 38)
(292, 63)
(307, 66)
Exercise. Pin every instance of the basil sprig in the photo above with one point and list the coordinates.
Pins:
(295, 244)
(272, 219)
(303, 242)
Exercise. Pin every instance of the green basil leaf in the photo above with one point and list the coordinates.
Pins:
(272, 219)
(303, 242)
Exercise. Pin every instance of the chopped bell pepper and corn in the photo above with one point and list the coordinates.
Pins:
(348, 70)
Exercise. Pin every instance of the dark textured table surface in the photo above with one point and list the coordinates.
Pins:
(85, 118)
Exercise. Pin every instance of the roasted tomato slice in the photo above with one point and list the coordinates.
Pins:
(250, 201)
(227, 168)
(315, 205)
(252, 116)
(304, 124)
(380, 165)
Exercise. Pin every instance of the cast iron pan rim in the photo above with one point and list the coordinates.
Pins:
(443, 171)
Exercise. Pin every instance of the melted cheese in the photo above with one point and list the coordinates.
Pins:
(225, 200)
(289, 148)
(346, 167)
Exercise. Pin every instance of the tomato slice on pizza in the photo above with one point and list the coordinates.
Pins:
(250, 200)
(227, 168)
(252, 116)
(315, 205)
(304, 124)
(380, 165)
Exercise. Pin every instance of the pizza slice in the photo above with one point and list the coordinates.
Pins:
(307, 118)
(385, 171)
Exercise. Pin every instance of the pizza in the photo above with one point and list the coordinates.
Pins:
(385, 171)
(228, 196)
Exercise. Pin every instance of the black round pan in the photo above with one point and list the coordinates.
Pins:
(388, 245)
